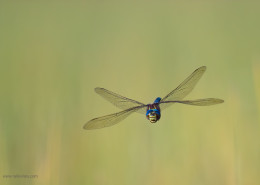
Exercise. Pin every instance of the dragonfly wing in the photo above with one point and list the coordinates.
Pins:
(118, 100)
(199, 102)
(111, 119)
(184, 88)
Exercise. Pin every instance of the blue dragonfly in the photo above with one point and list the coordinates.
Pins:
(152, 111)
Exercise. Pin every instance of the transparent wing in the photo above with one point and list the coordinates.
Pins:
(199, 102)
(111, 119)
(184, 88)
(118, 100)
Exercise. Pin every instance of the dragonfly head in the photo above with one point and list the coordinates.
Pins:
(153, 115)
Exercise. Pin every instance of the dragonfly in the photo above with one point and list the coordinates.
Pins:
(152, 111)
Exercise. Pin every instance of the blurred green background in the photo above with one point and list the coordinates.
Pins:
(53, 55)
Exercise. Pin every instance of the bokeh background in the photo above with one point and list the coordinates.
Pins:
(53, 55)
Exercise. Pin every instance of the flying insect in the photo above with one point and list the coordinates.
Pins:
(152, 111)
